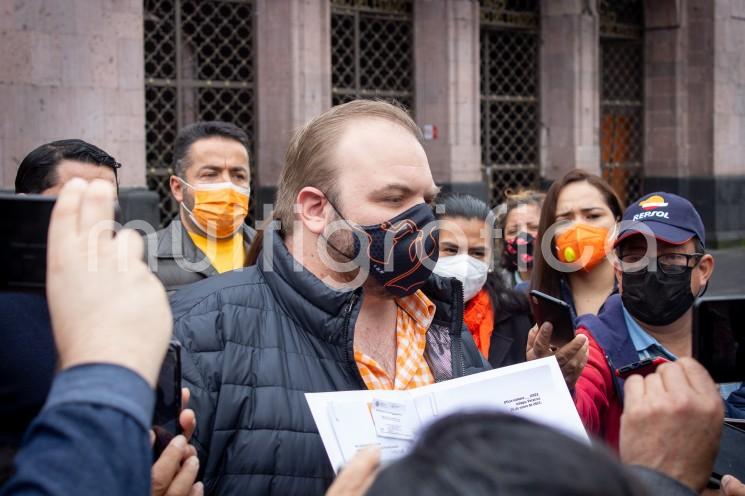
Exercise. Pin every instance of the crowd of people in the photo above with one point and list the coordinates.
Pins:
(365, 276)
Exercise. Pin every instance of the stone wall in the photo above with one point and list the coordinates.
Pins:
(72, 69)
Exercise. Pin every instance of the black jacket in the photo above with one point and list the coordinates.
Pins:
(509, 339)
(174, 258)
(255, 341)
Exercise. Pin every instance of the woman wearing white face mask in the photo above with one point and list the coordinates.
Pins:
(497, 316)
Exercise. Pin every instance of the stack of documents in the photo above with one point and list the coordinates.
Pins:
(351, 420)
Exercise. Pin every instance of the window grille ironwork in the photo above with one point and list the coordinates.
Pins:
(372, 51)
(622, 96)
(509, 95)
(199, 65)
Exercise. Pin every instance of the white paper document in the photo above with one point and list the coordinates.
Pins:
(351, 420)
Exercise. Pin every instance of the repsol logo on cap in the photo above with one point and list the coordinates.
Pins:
(649, 206)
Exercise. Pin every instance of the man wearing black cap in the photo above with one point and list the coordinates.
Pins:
(651, 315)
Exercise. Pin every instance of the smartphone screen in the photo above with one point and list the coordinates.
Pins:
(719, 337)
(729, 459)
(546, 308)
(168, 400)
(24, 223)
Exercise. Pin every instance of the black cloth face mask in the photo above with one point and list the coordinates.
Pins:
(523, 242)
(412, 238)
(656, 298)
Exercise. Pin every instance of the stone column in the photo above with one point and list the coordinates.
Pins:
(570, 101)
(446, 37)
(695, 109)
(293, 85)
(72, 70)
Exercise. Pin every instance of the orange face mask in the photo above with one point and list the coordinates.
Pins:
(572, 244)
(219, 208)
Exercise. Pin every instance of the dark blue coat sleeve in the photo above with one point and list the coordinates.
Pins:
(735, 404)
(91, 437)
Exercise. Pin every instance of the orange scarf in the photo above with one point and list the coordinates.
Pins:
(479, 317)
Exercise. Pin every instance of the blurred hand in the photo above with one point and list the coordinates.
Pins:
(358, 475)
(105, 305)
(672, 421)
(176, 470)
(187, 418)
(187, 421)
(732, 486)
(572, 357)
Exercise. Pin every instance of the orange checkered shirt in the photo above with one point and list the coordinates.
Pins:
(413, 317)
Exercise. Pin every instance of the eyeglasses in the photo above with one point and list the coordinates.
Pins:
(668, 263)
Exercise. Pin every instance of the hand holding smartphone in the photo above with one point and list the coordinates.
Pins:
(166, 424)
(546, 308)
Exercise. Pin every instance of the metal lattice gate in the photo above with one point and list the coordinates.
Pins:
(198, 66)
(509, 95)
(372, 51)
(622, 96)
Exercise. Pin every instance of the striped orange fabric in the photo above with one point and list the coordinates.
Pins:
(413, 317)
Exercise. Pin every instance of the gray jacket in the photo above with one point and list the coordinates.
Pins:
(174, 258)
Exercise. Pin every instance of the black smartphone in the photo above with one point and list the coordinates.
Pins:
(730, 459)
(546, 308)
(23, 245)
(719, 336)
(642, 368)
(167, 400)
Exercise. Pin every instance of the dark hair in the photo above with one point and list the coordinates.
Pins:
(459, 205)
(494, 454)
(544, 277)
(511, 202)
(514, 200)
(201, 130)
(38, 170)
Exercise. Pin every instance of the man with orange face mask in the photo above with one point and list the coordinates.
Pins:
(211, 186)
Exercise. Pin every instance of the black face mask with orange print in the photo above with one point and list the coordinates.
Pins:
(401, 251)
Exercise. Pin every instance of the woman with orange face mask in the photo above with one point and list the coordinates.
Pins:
(579, 214)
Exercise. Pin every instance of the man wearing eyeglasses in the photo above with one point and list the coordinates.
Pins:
(651, 316)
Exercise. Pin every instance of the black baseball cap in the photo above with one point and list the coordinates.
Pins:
(671, 218)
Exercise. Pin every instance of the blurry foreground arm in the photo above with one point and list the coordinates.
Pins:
(111, 325)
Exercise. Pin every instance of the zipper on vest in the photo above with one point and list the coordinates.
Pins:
(458, 324)
(347, 318)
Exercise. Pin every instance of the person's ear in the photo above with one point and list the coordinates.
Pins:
(311, 209)
(705, 270)
(619, 277)
(177, 189)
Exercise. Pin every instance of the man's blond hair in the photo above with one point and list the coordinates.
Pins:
(308, 159)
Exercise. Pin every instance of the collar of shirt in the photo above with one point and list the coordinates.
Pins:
(414, 315)
(518, 279)
(645, 344)
(419, 308)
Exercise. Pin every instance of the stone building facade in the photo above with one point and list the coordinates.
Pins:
(510, 93)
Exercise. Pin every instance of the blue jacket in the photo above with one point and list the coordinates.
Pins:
(610, 331)
(91, 437)
(27, 361)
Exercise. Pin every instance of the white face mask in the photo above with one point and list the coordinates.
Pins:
(469, 271)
